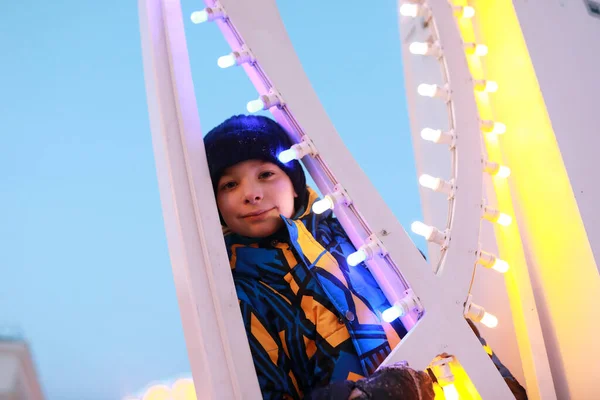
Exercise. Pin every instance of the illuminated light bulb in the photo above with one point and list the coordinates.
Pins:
(183, 389)
(427, 90)
(481, 50)
(287, 155)
(465, 11)
(503, 172)
(356, 258)
(255, 105)
(489, 320)
(504, 219)
(421, 229)
(500, 266)
(158, 392)
(486, 86)
(419, 48)
(494, 215)
(432, 135)
(450, 392)
(199, 17)
(319, 207)
(492, 127)
(227, 61)
(392, 313)
(429, 181)
(476, 49)
(437, 136)
(491, 261)
(436, 184)
(298, 151)
(478, 314)
(430, 233)
(409, 10)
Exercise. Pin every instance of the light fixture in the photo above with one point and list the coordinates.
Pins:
(339, 195)
(493, 127)
(496, 170)
(430, 233)
(491, 261)
(436, 184)
(438, 136)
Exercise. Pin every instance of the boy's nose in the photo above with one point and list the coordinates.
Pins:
(252, 196)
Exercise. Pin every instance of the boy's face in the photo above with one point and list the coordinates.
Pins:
(252, 194)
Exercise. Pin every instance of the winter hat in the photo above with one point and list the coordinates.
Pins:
(252, 137)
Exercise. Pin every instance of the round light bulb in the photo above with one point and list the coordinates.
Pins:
(427, 90)
(418, 48)
(157, 392)
(504, 219)
(319, 207)
(421, 229)
(226, 61)
(255, 106)
(468, 12)
(392, 314)
(481, 50)
(356, 258)
(432, 135)
(503, 172)
(500, 266)
(499, 128)
(199, 17)
(491, 87)
(409, 10)
(450, 392)
(429, 181)
(287, 155)
(489, 320)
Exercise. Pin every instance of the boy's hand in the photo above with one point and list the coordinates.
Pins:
(396, 381)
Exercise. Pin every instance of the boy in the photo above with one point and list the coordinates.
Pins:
(312, 321)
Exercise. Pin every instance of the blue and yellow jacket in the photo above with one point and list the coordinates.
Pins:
(310, 319)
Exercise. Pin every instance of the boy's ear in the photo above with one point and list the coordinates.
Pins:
(295, 194)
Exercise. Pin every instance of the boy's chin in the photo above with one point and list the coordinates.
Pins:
(261, 230)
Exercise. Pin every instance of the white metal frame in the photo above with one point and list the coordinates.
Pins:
(218, 354)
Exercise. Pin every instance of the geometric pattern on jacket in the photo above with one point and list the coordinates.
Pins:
(309, 317)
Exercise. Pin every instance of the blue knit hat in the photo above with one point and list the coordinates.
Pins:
(252, 137)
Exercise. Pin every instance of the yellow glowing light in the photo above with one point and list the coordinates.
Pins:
(504, 219)
(157, 392)
(500, 266)
(487, 86)
(464, 11)
(450, 392)
(183, 389)
(503, 172)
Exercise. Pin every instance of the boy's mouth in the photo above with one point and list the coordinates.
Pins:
(257, 213)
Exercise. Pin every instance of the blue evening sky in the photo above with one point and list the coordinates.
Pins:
(84, 266)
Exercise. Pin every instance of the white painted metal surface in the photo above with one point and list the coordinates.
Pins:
(218, 350)
(204, 285)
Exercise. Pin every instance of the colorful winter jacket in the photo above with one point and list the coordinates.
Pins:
(310, 319)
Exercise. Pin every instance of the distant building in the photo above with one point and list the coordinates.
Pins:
(18, 377)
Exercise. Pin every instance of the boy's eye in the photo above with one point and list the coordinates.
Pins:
(266, 174)
(228, 185)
